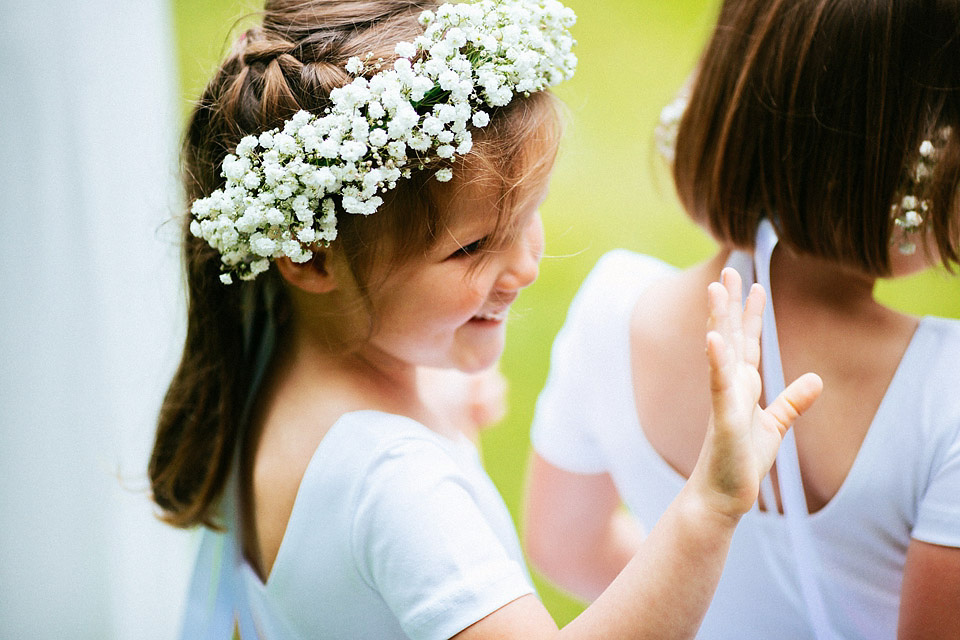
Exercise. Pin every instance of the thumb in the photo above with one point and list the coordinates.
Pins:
(794, 400)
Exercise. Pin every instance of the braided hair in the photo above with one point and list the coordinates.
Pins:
(292, 61)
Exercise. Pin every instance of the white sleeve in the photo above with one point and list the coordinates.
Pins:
(421, 541)
(576, 402)
(938, 518)
(561, 432)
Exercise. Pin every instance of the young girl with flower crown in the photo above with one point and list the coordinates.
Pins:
(371, 173)
(820, 146)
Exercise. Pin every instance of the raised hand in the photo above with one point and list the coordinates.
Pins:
(742, 439)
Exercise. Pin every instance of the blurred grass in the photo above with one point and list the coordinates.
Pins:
(608, 190)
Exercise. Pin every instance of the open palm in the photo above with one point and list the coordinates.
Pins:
(742, 438)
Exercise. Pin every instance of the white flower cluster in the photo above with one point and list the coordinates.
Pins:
(908, 214)
(665, 133)
(282, 189)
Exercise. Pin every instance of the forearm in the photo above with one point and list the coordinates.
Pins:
(665, 590)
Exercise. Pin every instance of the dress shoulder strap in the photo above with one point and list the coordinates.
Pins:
(788, 465)
(216, 600)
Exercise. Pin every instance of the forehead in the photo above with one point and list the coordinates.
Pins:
(485, 204)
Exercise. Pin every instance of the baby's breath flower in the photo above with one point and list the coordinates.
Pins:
(405, 50)
(247, 144)
(262, 245)
(906, 213)
(432, 126)
(258, 266)
(355, 65)
(251, 180)
(378, 137)
(283, 188)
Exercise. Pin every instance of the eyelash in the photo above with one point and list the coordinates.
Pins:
(469, 249)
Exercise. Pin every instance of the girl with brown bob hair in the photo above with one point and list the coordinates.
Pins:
(820, 147)
(310, 428)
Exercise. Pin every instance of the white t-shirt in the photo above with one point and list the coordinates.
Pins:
(905, 481)
(396, 532)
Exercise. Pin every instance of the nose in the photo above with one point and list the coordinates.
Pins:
(523, 257)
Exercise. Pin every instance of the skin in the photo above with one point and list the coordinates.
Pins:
(815, 298)
(665, 588)
(447, 310)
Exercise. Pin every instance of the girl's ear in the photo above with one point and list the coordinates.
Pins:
(313, 276)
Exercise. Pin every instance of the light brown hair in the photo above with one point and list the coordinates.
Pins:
(292, 62)
(811, 113)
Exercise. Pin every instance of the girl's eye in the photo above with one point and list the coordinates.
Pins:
(469, 249)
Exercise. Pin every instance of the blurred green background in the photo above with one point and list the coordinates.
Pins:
(609, 188)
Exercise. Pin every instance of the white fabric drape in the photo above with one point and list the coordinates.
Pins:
(90, 318)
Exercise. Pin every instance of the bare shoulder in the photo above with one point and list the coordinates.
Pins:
(668, 363)
(671, 315)
(293, 416)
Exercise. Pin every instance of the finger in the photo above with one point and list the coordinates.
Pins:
(794, 400)
(717, 304)
(720, 360)
(753, 324)
(732, 283)
(730, 278)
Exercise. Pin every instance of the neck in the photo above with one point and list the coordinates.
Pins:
(348, 368)
(357, 379)
(817, 283)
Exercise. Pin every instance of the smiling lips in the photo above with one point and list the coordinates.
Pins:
(499, 313)
(492, 316)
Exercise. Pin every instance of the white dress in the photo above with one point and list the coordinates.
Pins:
(905, 482)
(395, 532)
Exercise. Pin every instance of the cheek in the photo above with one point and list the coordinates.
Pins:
(451, 298)
(468, 299)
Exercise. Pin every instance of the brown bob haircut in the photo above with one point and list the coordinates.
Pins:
(811, 113)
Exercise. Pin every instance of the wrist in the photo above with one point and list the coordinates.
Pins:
(715, 512)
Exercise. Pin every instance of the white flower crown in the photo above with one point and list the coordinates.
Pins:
(282, 187)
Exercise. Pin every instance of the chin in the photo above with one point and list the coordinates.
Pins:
(477, 365)
(480, 361)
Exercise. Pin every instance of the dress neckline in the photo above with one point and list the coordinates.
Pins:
(743, 262)
(462, 446)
